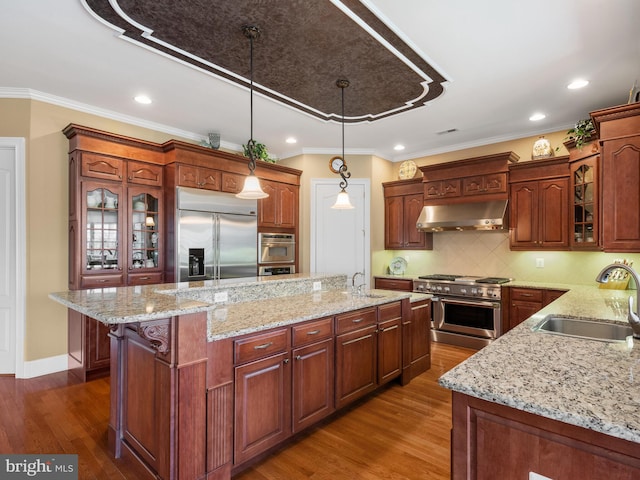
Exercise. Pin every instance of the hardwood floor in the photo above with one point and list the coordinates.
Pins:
(398, 433)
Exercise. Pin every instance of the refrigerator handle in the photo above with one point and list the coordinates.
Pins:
(217, 247)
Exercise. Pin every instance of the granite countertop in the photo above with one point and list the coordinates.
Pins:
(588, 383)
(142, 303)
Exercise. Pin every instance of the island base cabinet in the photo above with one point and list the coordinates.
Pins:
(88, 346)
(312, 384)
(263, 406)
(491, 441)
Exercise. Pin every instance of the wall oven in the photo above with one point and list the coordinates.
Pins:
(276, 248)
(467, 311)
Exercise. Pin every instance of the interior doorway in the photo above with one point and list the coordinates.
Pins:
(12, 255)
(340, 239)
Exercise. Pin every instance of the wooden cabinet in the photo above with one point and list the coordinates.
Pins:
(403, 203)
(400, 284)
(313, 372)
(262, 393)
(389, 342)
(280, 208)
(356, 355)
(470, 180)
(619, 132)
(584, 194)
(525, 302)
(538, 199)
(368, 350)
(492, 441)
(198, 177)
(417, 341)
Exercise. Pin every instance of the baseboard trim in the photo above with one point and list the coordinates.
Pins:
(44, 366)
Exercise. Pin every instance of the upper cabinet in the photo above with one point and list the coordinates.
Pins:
(539, 205)
(403, 201)
(584, 196)
(470, 180)
(619, 133)
(280, 208)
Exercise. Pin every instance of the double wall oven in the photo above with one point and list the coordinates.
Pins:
(467, 311)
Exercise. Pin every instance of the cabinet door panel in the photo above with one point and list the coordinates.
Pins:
(312, 385)
(389, 350)
(98, 343)
(621, 195)
(394, 222)
(413, 237)
(554, 213)
(355, 365)
(100, 166)
(420, 336)
(144, 173)
(263, 406)
(524, 217)
(288, 206)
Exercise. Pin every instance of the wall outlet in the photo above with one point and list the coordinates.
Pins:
(221, 297)
(539, 262)
(317, 286)
(537, 476)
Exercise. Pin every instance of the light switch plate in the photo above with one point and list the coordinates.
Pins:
(317, 286)
(220, 297)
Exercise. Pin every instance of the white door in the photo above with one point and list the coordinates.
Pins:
(340, 238)
(11, 254)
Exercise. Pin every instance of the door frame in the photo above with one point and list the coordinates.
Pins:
(366, 184)
(17, 144)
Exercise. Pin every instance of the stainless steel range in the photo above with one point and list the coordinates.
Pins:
(467, 311)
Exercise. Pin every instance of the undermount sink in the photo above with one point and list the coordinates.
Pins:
(583, 328)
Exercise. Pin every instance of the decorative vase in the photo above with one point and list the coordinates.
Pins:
(541, 149)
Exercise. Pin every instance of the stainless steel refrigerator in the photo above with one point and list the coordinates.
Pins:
(216, 235)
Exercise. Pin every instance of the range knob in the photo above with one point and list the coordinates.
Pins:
(438, 288)
(463, 291)
(446, 289)
(474, 291)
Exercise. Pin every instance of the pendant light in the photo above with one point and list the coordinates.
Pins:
(342, 201)
(251, 189)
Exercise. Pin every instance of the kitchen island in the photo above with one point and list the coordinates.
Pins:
(207, 376)
(559, 406)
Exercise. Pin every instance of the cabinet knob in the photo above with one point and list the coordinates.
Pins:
(298, 357)
(285, 361)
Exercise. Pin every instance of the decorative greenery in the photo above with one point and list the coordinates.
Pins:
(581, 133)
(260, 151)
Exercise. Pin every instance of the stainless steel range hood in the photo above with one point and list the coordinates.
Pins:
(463, 216)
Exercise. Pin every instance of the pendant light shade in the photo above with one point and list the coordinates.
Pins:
(342, 201)
(251, 188)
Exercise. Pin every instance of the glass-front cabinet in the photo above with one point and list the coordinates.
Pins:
(145, 208)
(584, 221)
(103, 228)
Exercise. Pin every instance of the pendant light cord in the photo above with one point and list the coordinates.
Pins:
(343, 168)
(251, 32)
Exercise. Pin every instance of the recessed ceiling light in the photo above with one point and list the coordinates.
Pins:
(537, 116)
(577, 84)
(398, 147)
(291, 140)
(142, 99)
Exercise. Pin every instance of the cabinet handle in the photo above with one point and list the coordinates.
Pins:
(285, 361)
(144, 278)
(357, 320)
(313, 332)
(527, 294)
(298, 357)
(380, 330)
(103, 281)
(263, 346)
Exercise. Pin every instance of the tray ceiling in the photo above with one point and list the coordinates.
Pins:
(304, 47)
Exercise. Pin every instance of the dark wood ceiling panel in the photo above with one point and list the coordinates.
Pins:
(304, 47)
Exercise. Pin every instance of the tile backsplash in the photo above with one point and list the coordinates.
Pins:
(488, 254)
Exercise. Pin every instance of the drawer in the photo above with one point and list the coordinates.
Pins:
(99, 281)
(346, 322)
(526, 294)
(312, 331)
(389, 311)
(390, 284)
(144, 278)
(260, 345)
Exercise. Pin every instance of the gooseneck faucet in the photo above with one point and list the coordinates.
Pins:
(357, 289)
(632, 316)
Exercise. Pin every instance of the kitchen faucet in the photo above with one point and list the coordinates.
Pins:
(357, 289)
(632, 316)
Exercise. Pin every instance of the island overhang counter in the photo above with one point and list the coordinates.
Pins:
(176, 353)
(559, 406)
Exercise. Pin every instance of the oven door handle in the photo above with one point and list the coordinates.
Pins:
(474, 303)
